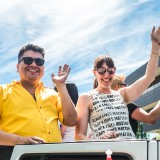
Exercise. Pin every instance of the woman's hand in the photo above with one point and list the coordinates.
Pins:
(155, 38)
(109, 135)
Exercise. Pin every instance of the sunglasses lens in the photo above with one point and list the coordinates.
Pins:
(111, 71)
(28, 60)
(101, 70)
(39, 62)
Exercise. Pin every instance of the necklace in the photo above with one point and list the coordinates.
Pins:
(33, 95)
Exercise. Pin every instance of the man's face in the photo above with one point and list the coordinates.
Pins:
(30, 72)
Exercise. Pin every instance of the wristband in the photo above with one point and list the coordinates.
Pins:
(155, 54)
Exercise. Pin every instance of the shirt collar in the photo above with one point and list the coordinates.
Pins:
(14, 82)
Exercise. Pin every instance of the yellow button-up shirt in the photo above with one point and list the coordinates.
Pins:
(20, 114)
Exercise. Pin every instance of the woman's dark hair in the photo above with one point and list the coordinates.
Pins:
(31, 47)
(99, 62)
(103, 59)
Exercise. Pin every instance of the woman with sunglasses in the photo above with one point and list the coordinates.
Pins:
(105, 109)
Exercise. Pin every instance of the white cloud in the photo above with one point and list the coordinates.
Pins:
(75, 32)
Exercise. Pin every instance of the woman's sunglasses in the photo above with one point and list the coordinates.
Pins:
(29, 61)
(103, 70)
(123, 84)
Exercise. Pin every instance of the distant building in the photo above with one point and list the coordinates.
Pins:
(150, 97)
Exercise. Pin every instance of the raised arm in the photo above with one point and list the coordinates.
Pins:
(68, 108)
(133, 91)
(82, 108)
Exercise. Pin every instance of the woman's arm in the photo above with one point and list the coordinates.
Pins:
(133, 91)
(141, 115)
(82, 108)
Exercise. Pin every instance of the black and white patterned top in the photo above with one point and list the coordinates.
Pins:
(109, 113)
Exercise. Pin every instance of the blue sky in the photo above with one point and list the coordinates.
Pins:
(75, 32)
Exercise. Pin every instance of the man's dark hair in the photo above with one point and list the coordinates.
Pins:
(31, 47)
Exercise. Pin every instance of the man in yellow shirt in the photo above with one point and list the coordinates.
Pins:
(29, 112)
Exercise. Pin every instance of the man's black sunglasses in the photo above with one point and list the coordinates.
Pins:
(29, 61)
(103, 70)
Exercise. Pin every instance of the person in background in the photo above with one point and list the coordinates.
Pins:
(29, 112)
(68, 132)
(106, 109)
(136, 114)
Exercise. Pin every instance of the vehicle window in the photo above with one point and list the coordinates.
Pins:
(75, 156)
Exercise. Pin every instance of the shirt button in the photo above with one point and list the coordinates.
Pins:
(40, 107)
(49, 133)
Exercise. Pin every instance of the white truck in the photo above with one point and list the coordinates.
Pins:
(87, 150)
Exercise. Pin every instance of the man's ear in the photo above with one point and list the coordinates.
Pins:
(17, 67)
(43, 70)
